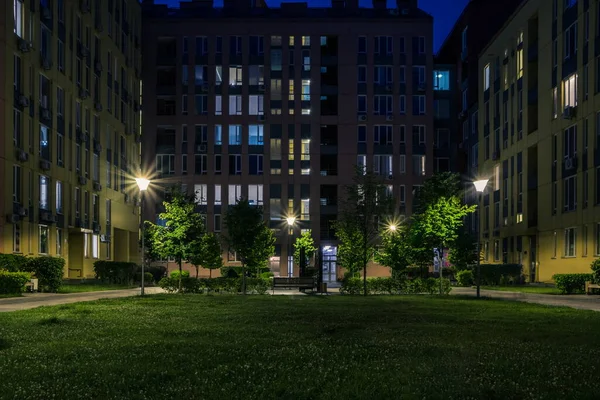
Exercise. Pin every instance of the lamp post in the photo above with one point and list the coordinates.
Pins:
(480, 188)
(143, 186)
(290, 222)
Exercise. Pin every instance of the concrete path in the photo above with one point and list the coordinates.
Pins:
(33, 300)
(578, 301)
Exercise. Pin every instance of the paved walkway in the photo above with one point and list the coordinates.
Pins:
(578, 301)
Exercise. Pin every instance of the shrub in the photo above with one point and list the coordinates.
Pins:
(257, 285)
(169, 284)
(495, 274)
(158, 271)
(184, 274)
(464, 277)
(115, 271)
(49, 271)
(352, 286)
(13, 262)
(13, 282)
(571, 283)
(148, 278)
(595, 270)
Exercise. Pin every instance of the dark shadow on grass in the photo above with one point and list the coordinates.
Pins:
(52, 321)
(4, 344)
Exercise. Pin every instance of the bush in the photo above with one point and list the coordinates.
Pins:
(572, 283)
(354, 286)
(13, 262)
(417, 272)
(184, 274)
(464, 277)
(257, 285)
(496, 274)
(49, 271)
(158, 271)
(13, 282)
(148, 278)
(595, 270)
(119, 272)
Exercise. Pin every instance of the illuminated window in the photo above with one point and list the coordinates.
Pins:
(44, 238)
(570, 91)
(95, 246)
(305, 150)
(291, 150)
(361, 163)
(291, 90)
(18, 17)
(304, 210)
(570, 242)
(306, 41)
(486, 77)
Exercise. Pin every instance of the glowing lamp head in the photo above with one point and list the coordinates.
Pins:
(290, 220)
(142, 183)
(480, 185)
(393, 228)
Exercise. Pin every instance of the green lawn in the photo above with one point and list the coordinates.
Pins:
(292, 347)
(525, 289)
(90, 287)
(6, 296)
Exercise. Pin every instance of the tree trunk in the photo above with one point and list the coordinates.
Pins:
(210, 273)
(197, 268)
(180, 275)
(244, 279)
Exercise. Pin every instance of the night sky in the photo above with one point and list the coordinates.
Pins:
(444, 12)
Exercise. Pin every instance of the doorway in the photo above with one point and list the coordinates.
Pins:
(329, 264)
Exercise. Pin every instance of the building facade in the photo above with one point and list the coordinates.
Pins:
(70, 119)
(539, 79)
(279, 105)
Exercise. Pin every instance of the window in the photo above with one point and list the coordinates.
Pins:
(255, 162)
(218, 105)
(362, 44)
(419, 105)
(235, 75)
(402, 163)
(200, 191)
(464, 42)
(570, 91)
(555, 103)
(570, 37)
(383, 45)
(235, 104)
(305, 209)
(361, 162)
(418, 165)
(465, 104)
(44, 192)
(235, 45)
(255, 195)
(201, 104)
(256, 75)
(305, 41)
(218, 164)
(570, 239)
(419, 134)
(43, 239)
(217, 223)
(218, 135)
(570, 142)
(17, 128)
(361, 74)
(59, 197)
(382, 75)
(201, 46)
(584, 239)
(421, 44)
(256, 105)
(570, 193)
(486, 77)
(383, 105)
(362, 104)
(235, 164)
(402, 102)
(184, 162)
(382, 134)
(17, 181)
(441, 79)
(201, 164)
(95, 246)
(235, 135)
(59, 240)
(362, 134)
(19, 18)
(382, 165)
(44, 142)
(165, 164)
(235, 194)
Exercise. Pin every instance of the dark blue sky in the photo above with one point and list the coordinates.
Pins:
(445, 12)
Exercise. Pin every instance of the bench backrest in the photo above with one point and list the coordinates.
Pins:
(293, 281)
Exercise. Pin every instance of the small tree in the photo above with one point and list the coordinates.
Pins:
(357, 228)
(463, 251)
(211, 250)
(248, 236)
(181, 235)
(395, 250)
(304, 248)
(442, 184)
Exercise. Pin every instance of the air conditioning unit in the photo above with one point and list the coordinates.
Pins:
(12, 218)
(362, 117)
(97, 146)
(202, 148)
(46, 114)
(22, 155)
(97, 186)
(82, 180)
(104, 238)
(389, 117)
(82, 93)
(23, 101)
(389, 88)
(23, 212)
(46, 64)
(46, 216)
(261, 88)
(24, 45)
(569, 112)
(422, 87)
(205, 87)
(45, 165)
(405, 11)
(261, 117)
(568, 163)
(98, 106)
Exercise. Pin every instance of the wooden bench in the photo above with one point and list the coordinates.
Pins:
(29, 286)
(589, 286)
(289, 283)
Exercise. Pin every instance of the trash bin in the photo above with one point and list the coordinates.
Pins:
(323, 287)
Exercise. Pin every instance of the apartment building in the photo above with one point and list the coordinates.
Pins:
(474, 28)
(70, 130)
(279, 105)
(540, 132)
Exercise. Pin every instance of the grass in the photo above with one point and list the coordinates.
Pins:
(525, 289)
(292, 347)
(90, 287)
(6, 296)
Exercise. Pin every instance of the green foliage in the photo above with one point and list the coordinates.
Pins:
(595, 270)
(149, 247)
(304, 245)
(465, 277)
(118, 272)
(181, 236)
(13, 282)
(395, 249)
(13, 262)
(463, 252)
(148, 278)
(571, 283)
(216, 285)
(365, 203)
(249, 236)
(211, 250)
(49, 271)
(417, 271)
(439, 185)
(158, 271)
(354, 286)
(183, 274)
(496, 274)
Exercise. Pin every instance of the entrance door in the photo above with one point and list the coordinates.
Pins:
(329, 264)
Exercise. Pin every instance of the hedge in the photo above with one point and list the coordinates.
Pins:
(572, 283)
(355, 286)
(497, 274)
(49, 271)
(218, 285)
(13, 262)
(464, 277)
(115, 271)
(13, 282)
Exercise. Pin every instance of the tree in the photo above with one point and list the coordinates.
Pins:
(441, 184)
(150, 249)
(395, 249)
(463, 251)
(304, 248)
(180, 236)
(248, 236)
(366, 203)
(439, 224)
(209, 256)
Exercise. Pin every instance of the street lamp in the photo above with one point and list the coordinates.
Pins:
(290, 222)
(392, 228)
(143, 186)
(480, 188)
